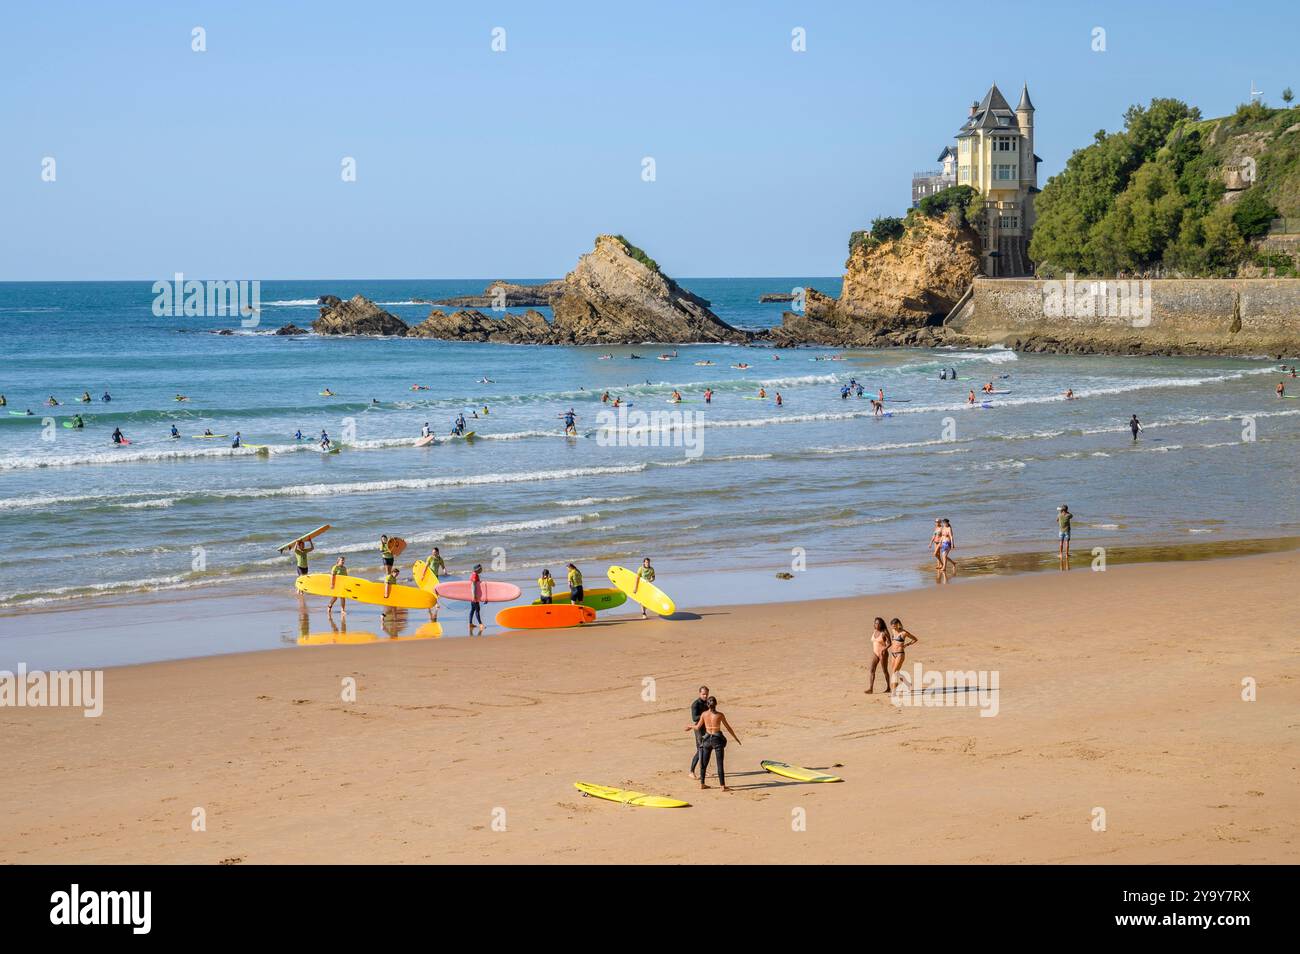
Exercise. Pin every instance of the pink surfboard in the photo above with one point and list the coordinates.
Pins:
(491, 592)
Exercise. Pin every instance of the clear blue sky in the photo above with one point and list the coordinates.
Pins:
(226, 164)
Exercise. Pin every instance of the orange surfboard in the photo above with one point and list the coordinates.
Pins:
(551, 616)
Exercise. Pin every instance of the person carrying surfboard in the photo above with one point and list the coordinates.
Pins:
(645, 572)
(1135, 425)
(390, 578)
(385, 553)
(575, 585)
(300, 550)
(546, 586)
(339, 568)
(713, 722)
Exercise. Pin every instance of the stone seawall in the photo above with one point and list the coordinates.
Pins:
(1239, 316)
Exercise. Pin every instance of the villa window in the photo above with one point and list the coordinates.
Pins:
(1009, 222)
(1004, 172)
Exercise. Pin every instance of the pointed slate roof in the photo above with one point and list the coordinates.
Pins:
(947, 152)
(993, 112)
(1024, 99)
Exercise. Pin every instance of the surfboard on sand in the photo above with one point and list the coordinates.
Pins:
(491, 592)
(606, 597)
(647, 594)
(363, 591)
(552, 616)
(306, 536)
(639, 799)
(797, 773)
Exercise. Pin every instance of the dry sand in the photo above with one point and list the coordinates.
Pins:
(1119, 691)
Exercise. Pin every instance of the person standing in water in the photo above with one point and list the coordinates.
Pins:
(713, 722)
(936, 540)
(434, 564)
(1134, 425)
(947, 543)
(385, 553)
(1063, 520)
(879, 659)
(698, 705)
(118, 436)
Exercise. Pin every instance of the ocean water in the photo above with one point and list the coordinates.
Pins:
(818, 480)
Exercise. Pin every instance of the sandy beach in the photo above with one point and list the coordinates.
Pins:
(1119, 691)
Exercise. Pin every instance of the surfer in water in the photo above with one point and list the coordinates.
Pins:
(175, 433)
(85, 397)
(779, 401)
(1135, 426)
(107, 397)
(237, 440)
(712, 723)
(970, 398)
(324, 441)
(77, 421)
(118, 436)
(570, 423)
(708, 395)
(879, 649)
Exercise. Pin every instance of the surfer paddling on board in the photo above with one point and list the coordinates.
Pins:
(712, 722)
(698, 705)
(338, 569)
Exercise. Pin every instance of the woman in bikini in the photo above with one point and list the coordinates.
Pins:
(879, 647)
(936, 539)
(899, 640)
(947, 542)
(711, 723)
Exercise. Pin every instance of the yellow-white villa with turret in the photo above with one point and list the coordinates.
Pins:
(995, 156)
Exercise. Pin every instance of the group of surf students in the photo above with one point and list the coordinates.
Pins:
(436, 565)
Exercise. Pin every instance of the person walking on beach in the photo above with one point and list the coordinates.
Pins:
(947, 543)
(575, 585)
(936, 539)
(476, 600)
(712, 722)
(898, 639)
(879, 648)
(338, 569)
(300, 550)
(1135, 425)
(546, 587)
(698, 705)
(1063, 521)
(434, 564)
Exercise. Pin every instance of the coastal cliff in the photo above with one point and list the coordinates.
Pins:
(896, 291)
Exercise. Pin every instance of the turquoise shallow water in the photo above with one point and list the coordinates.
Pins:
(82, 520)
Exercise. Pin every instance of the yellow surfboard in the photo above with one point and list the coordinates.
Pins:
(424, 578)
(647, 594)
(639, 799)
(364, 591)
(797, 773)
(306, 536)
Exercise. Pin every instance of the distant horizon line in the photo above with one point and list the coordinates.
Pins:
(128, 281)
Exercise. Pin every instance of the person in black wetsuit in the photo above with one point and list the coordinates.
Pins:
(713, 723)
(1135, 425)
(700, 703)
